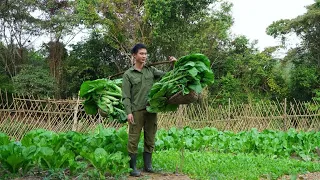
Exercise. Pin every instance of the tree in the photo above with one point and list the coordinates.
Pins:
(182, 27)
(247, 74)
(306, 26)
(121, 22)
(59, 20)
(89, 60)
(304, 81)
(305, 58)
(167, 27)
(34, 77)
(18, 30)
(34, 81)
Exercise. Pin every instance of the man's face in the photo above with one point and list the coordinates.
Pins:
(141, 56)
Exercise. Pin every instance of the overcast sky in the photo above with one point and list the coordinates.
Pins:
(252, 17)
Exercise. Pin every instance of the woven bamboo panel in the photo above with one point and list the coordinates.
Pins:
(22, 113)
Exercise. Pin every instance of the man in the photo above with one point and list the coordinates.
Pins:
(136, 84)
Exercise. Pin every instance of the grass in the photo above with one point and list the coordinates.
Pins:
(209, 165)
(213, 166)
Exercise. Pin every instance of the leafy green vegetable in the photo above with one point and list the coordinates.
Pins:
(14, 156)
(106, 148)
(55, 159)
(104, 96)
(191, 73)
(107, 163)
(4, 139)
(268, 142)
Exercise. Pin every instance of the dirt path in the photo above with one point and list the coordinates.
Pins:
(160, 176)
(144, 176)
(308, 176)
(166, 176)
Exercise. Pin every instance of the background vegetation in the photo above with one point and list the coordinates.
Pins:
(167, 27)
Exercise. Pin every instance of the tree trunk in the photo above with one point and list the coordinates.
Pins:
(57, 53)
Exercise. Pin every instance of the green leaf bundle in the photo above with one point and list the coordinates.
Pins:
(103, 96)
(191, 73)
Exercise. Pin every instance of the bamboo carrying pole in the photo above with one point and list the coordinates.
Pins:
(152, 64)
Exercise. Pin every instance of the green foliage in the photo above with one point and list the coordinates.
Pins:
(18, 29)
(304, 75)
(20, 25)
(50, 151)
(277, 87)
(11, 58)
(59, 18)
(6, 83)
(103, 95)
(34, 81)
(90, 60)
(191, 73)
(247, 75)
(211, 165)
(104, 148)
(55, 160)
(115, 164)
(4, 139)
(315, 105)
(228, 87)
(303, 81)
(167, 27)
(121, 22)
(14, 156)
(200, 153)
(268, 142)
(183, 27)
(306, 26)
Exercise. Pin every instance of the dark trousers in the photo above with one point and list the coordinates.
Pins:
(147, 121)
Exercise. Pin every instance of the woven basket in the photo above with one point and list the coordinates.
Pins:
(102, 113)
(179, 98)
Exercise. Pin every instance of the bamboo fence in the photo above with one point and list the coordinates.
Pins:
(22, 113)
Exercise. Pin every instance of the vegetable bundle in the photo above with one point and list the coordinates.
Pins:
(190, 73)
(103, 96)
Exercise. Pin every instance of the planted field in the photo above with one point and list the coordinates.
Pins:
(200, 154)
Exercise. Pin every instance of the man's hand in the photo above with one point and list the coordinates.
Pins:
(130, 118)
(172, 59)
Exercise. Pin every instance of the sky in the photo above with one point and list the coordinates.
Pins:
(252, 17)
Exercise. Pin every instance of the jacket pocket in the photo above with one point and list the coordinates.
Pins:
(149, 79)
(136, 81)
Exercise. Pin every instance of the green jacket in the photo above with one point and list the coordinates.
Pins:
(136, 86)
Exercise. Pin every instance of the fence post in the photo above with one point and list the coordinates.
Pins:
(75, 115)
(229, 109)
(1, 100)
(7, 99)
(285, 114)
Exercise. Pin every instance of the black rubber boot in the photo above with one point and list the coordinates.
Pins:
(133, 162)
(147, 159)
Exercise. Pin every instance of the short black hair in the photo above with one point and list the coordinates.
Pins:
(136, 48)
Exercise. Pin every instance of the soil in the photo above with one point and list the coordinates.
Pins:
(159, 176)
(166, 176)
(308, 176)
(144, 176)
